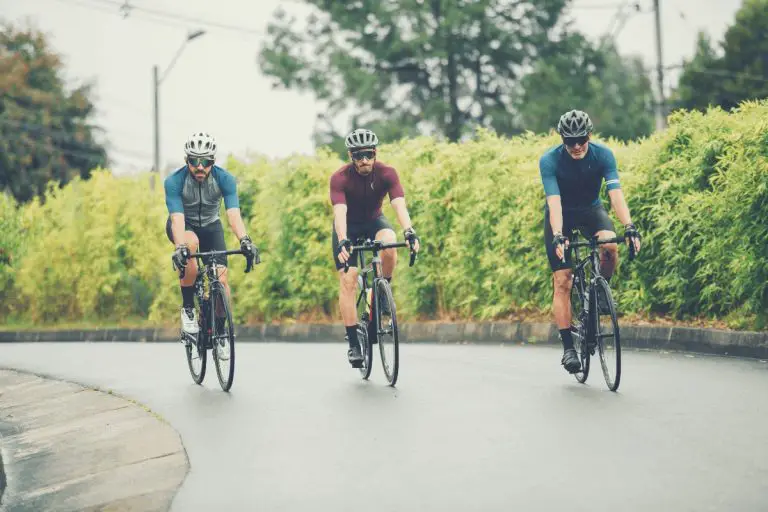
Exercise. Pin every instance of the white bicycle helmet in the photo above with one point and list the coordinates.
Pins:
(574, 123)
(200, 144)
(361, 138)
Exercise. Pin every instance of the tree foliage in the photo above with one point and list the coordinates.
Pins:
(732, 73)
(613, 89)
(436, 66)
(45, 130)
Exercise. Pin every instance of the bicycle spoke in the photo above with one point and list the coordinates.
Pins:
(389, 348)
(608, 339)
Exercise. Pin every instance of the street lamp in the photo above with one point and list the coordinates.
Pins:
(157, 80)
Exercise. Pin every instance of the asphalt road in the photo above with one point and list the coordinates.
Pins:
(484, 428)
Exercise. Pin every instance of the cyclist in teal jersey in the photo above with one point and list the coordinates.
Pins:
(193, 195)
(572, 174)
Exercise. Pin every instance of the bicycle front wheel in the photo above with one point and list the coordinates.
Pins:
(389, 346)
(223, 337)
(607, 334)
(194, 346)
(578, 328)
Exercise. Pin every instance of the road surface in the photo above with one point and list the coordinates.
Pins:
(469, 427)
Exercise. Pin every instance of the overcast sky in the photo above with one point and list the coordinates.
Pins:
(216, 85)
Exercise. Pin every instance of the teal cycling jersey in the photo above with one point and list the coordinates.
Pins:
(199, 201)
(578, 182)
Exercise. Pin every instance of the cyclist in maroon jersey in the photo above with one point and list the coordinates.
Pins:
(357, 193)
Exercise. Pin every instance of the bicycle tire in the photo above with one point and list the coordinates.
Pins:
(579, 330)
(363, 339)
(198, 347)
(610, 360)
(222, 339)
(390, 363)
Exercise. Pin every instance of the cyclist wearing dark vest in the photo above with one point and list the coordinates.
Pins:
(193, 196)
(357, 191)
(572, 174)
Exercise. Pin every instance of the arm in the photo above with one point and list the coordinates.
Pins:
(612, 183)
(555, 214)
(236, 222)
(620, 206)
(552, 193)
(401, 210)
(228, 186)
(397, 199)
(340, 220)
(175, 207)
(339, 202)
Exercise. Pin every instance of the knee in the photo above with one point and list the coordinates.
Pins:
(562, 283)
(610, 251)
(191, 240)
(348, 281)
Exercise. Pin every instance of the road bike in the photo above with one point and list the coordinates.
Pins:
(214, 313)
(376, 311)
(594, 323)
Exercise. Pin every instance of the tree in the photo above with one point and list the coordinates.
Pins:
(738, 72)
(45, 134)
(613, 89)
(440, 66)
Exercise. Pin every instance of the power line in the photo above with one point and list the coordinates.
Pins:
(176, 17)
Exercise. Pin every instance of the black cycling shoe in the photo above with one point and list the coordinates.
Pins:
(355, 357)
(571, 361)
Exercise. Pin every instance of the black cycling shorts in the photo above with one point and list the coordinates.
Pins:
(587, 220)
(211, 238)
(357, 230)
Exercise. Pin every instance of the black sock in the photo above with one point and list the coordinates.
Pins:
(188, 296)
(352, 335)
(389, 279)
(567, 339)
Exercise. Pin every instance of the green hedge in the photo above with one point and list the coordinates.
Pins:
(96, 250)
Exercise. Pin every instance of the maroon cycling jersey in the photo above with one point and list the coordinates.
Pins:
(364, 195)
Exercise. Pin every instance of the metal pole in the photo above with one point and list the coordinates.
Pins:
(661, 105)
(156, 86)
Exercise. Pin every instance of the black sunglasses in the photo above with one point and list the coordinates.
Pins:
(195, 162)
(573, 141)
(366, 153)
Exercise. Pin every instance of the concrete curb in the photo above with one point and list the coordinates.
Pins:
(708, 341)
(69, 447)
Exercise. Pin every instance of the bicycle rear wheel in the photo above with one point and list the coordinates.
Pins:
(579, 327)
(223, 337)
(607, 334)
(389, 343)
(194, 346)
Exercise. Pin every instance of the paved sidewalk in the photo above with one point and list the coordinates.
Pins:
(69, 448)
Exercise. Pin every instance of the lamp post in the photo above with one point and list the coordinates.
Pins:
(157, 79)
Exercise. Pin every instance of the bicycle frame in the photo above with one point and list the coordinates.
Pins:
(208, 272)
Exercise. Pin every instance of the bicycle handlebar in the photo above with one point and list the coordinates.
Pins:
(614, 240)
(378, 245)
(199, 255)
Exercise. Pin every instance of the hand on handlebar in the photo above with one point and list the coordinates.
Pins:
(251, 253)
(633, 238)
(179, 258)
(344, 252)
(560, 244)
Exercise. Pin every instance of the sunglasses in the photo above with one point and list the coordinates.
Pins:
(195, 162)
(574, 141)
(366, 153)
